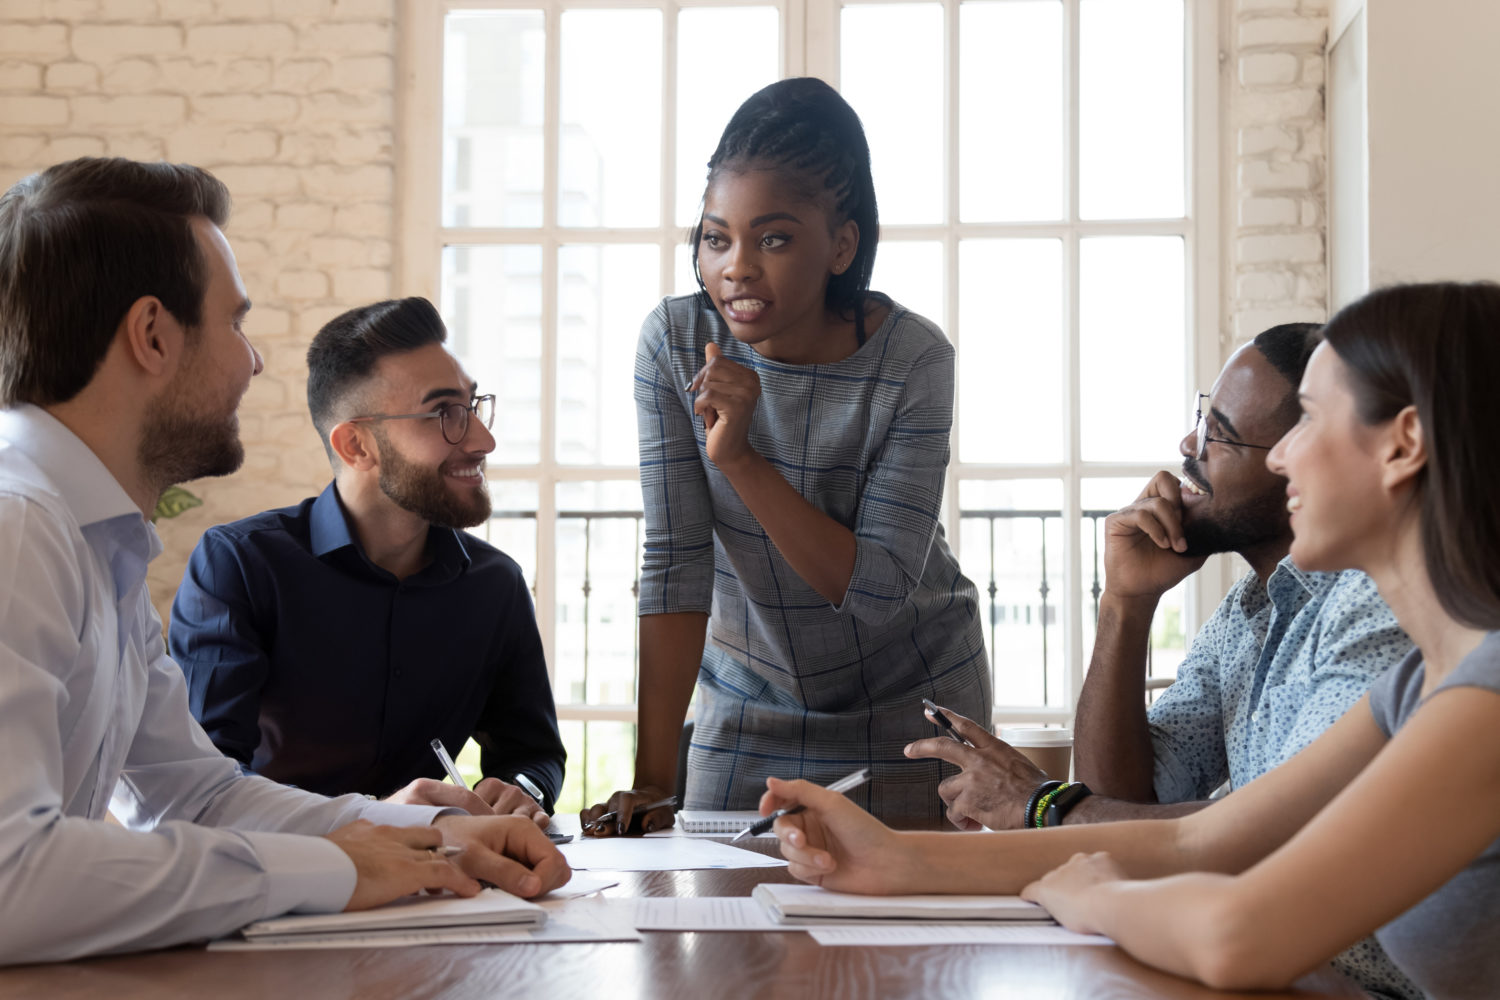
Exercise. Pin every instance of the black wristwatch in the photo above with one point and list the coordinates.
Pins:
(1064, 800)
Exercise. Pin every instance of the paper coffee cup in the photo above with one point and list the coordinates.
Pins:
(1049, 749)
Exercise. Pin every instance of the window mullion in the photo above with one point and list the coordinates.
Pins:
(546, 515)
(821, 50)
(1072, 601)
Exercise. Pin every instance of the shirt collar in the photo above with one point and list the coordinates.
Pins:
(1291, 588)
(328, 525)
(329, 530)
(91, 492)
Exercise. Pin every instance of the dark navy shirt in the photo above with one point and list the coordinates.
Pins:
(311, 665)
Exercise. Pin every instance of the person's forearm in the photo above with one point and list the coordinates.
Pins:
(1005, 862)
(1111, 740)
(1193, 925)
(1102, 809)
(818, 548)
(671, 651)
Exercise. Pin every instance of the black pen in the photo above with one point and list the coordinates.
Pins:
(937, 716)
(760, 826)
(604, 818)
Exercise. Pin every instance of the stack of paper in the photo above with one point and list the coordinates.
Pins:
(489, 910)
(810, 904)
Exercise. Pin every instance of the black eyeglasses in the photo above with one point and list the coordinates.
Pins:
(1201, 435)
(452, 418)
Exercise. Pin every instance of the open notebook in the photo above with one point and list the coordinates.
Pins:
(813, 904)
(703, 821)
(490, 908)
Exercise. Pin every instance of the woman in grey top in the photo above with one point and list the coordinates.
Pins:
(794, 439)
(1388, 823)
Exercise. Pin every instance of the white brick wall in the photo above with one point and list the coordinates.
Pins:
(290, 102)
(1276, 241)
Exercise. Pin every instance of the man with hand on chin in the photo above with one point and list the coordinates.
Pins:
(123, 359)
(327, 644)
(1283, 656)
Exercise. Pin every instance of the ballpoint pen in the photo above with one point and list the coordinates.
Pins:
(760, 826)
(937, 715)
(448, 765)
(598, 821)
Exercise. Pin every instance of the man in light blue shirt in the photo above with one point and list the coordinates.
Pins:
(1283, 656)
(122, 363)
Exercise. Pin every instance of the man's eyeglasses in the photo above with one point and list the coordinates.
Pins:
(1202, 437)
(452, 418)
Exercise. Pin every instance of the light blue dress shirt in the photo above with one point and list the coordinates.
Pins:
(1270, 671)
(91, 708)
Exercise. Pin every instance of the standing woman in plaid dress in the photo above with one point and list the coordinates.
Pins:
(794, 438)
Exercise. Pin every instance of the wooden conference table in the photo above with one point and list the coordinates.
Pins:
(721, 965)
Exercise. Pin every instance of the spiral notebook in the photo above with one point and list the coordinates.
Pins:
(703, 821)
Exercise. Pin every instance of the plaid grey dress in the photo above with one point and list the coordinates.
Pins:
(791, 685)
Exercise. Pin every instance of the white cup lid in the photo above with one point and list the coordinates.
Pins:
(1036, 736)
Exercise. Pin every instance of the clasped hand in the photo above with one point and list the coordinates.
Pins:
(491, 797)
(394, 861)
(726, 396)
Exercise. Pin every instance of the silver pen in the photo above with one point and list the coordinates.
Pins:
(760, 826)
(448, 765)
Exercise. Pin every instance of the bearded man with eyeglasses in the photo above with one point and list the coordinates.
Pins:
(1284, 655)
(327, 644)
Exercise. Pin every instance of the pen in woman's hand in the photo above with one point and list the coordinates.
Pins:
(603, 818)
(845, 784)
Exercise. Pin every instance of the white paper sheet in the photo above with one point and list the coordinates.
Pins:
(491, 906)
(927, 933)
(704, 913)
(568, 920)
(665, 854)
(581, 884)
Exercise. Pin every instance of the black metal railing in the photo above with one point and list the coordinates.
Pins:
(989, 522)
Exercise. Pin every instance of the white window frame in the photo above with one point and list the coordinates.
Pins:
(810, 32)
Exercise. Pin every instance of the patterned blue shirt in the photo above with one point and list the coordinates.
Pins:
(1268, 673)
(791, 685)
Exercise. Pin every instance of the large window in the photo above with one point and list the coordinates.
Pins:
(1040, 166)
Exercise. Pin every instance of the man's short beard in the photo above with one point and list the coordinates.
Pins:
(178, 446)
(1253, 523)
(423, 491)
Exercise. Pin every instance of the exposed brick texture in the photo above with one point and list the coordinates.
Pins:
(1275, 182)
(291, 104)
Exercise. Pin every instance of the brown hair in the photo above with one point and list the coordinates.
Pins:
(80, 243)
(1437, 347)
(343, 355)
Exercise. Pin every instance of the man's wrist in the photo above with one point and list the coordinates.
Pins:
(1129, 606)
